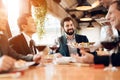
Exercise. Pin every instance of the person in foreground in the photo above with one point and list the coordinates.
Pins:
(69, 36)
(6, 63)
(114, 18)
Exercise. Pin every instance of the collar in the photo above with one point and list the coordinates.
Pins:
(26, 37)
(73, 36)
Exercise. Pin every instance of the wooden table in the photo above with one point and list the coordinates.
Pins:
(66, 72)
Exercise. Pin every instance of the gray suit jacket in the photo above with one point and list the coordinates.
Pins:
(5, 49)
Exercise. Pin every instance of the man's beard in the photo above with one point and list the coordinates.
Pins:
(69, 33)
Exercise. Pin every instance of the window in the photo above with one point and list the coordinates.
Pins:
(52, 31)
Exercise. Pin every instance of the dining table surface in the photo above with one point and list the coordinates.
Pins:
(71, 71)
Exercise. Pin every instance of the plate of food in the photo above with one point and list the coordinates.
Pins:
(81, 45)
(22, 65)
(17, 69)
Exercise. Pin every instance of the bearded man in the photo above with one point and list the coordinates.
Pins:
(68, 26)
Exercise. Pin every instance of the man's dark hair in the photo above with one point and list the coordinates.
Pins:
(22, 20)
(66, 19)
(118, 4)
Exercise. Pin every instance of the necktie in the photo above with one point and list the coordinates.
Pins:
(32, 46)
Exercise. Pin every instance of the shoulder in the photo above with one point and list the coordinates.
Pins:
(2, 36)
(78, 35)
(81, 38)
(61, 37)
(14, 38)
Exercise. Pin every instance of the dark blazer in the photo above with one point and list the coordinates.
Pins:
(63, 49)
(115, 58)
(19, 44)
(5, 49)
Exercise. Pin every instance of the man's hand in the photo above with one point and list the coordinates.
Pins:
(6, 63)
(37, 58)
(74, 55)
(86, 57)
(57, 55)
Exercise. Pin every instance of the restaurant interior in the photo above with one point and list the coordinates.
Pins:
(85, 19)
(48, 15)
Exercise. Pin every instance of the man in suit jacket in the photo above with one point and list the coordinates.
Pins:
(7, 50)
(7, 54)
(21, 43)
(114, 18)
(69, 28)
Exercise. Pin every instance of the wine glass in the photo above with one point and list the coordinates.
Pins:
(54, 46)
(110, 44)
(40, 47)
(40, 50)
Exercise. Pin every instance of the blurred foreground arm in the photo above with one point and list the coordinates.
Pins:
(6, 63)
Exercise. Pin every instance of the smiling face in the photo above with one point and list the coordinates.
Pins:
(113, 16)
(69, 27)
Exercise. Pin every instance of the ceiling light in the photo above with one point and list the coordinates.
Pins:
(85, 19)
(90, 26)
(95, 4)
(84, 8)
(88, 7)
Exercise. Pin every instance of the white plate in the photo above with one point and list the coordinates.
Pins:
(11, 75)
(79, 45)
(64, 60)
(25, 66)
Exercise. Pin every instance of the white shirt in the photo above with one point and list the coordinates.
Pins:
(70, 48)
(27, 38)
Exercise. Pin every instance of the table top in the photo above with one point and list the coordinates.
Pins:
(71, 71)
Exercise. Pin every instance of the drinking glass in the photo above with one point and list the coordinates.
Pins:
(110, 44)
(54, 46)
(40, 50)
(40, 47)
